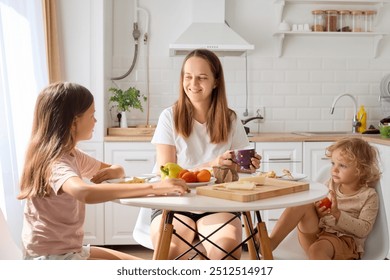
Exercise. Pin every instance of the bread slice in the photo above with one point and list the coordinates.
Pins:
(258, 180)
(240, 185)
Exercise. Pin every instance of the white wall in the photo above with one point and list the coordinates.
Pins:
(297, 88)
(81, 35)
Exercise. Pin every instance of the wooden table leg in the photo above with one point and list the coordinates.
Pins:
(164, 242)
(265, 243)
(248, 225)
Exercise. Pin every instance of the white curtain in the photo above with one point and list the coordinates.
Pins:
(23, 73)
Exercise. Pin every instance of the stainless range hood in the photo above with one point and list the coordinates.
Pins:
(208, 30)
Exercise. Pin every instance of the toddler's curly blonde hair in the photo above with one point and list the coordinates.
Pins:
(356, 150)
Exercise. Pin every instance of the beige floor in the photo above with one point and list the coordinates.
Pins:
(144, 253)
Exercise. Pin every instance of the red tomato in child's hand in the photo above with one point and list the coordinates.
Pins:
(325, 202)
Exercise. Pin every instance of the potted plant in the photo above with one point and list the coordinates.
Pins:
(126, 99)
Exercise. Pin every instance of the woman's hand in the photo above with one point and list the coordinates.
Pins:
(171, 185)
(255, 162)
(227, 159)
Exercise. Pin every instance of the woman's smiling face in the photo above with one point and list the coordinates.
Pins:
(198, 80)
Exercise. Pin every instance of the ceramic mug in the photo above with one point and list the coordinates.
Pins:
(244, 158)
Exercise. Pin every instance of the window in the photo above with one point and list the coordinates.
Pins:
(23, 73)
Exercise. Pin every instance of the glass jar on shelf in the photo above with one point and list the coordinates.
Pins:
(369, 17)
(318, 20)
(331, 20)
(357, 21)
(344, 21)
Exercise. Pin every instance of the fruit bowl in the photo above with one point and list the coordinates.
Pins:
(199, 184)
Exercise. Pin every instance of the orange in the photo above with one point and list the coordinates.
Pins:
(203, 176)
(182, 172)
(189, 177)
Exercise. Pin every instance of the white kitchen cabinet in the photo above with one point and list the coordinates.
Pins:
(277, 156)
(280, 7)
(137, 158)
(94, 213)
(314, 158)
(384, 152)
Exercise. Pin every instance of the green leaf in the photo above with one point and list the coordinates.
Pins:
(130, 98)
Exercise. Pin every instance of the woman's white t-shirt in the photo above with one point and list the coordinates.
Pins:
(197, 148)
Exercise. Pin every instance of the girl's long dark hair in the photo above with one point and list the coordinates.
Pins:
(55, 110)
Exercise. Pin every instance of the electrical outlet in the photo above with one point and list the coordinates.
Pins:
(260, 111)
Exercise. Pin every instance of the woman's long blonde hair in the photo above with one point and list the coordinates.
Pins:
(55, 110)
(219, 116)
(356, 150)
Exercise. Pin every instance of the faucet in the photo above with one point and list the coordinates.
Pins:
(355, 122)
(244, 122)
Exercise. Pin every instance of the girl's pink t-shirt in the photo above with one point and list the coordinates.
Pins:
(53, 225)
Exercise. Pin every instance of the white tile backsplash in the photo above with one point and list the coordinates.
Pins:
(297, 89)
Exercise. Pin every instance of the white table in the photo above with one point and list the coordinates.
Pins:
(194, 202)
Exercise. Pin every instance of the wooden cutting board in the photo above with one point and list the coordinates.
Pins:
(271, 188)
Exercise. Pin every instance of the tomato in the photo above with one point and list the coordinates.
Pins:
(189, 177)
(325, 202)
(203, 175)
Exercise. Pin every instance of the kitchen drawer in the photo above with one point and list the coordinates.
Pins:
(137, 158)
(277, 156)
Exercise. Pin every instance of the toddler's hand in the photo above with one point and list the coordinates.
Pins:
(334, 210)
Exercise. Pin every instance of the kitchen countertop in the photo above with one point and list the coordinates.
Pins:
(274, 137)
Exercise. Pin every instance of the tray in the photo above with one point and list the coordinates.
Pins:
(271, 188)
(130, 131)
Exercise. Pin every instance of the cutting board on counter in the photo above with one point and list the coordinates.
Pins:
(270, 188)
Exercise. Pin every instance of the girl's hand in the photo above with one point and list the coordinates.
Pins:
(108, 172)
(169, 186)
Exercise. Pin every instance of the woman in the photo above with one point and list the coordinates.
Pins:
(200, 131)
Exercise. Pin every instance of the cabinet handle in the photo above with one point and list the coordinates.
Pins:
(136, 159)
(279, 159)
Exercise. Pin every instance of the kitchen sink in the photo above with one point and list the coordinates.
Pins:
(324, 133)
